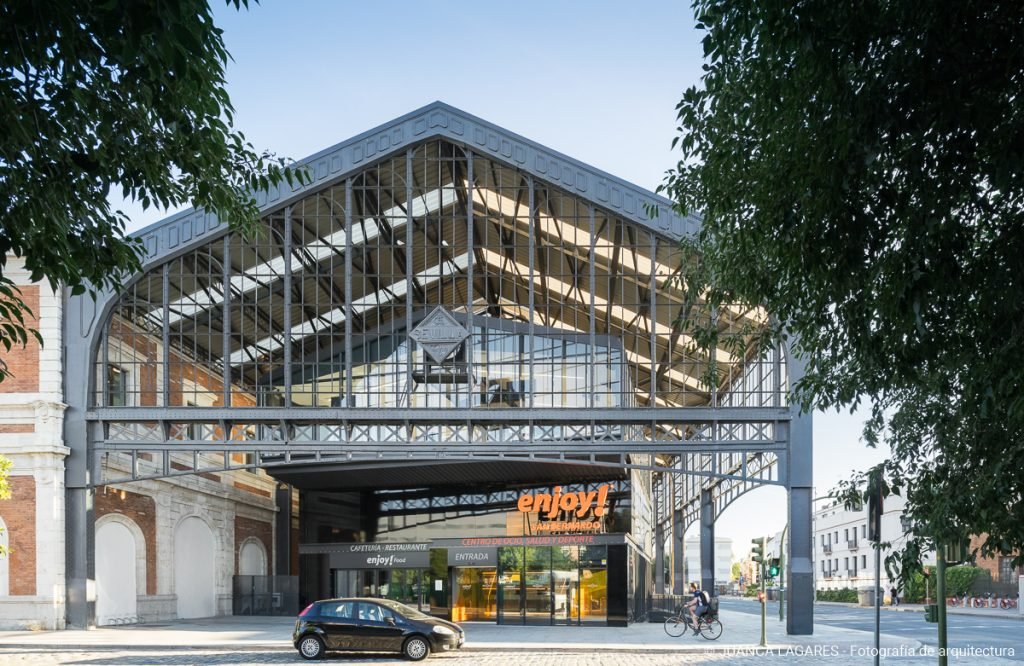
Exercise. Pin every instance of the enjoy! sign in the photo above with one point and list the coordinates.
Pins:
(549, 505)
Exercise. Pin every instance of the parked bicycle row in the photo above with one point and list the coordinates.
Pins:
(1005, 602)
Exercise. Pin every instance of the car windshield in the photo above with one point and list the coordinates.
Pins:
(403, 610)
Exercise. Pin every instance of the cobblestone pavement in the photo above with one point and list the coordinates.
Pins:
(186, 657)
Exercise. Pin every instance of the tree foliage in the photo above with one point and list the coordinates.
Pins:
(860, 171)
(5, 491)
(844, 595)
(112, 97)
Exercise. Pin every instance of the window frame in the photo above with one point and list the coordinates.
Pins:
(122, 392)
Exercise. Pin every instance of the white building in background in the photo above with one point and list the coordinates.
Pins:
(842, 555)
(723, 561)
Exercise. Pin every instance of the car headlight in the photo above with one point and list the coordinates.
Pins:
(443, 630)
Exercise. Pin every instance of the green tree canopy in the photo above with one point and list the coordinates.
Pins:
(860, 170)
(5, 490)
(111, 97)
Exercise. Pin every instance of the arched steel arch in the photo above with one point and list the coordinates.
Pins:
(313, 342)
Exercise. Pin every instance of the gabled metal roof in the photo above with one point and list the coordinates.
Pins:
(193, 227)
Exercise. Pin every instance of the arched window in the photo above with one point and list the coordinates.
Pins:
(116, 583)
(194, 577)
(252, 558)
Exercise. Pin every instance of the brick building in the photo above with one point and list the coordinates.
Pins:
(1003, 574)
(161, 529)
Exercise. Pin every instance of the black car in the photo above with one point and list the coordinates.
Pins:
(372, 625)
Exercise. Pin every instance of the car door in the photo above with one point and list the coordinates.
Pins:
(340, 624)
(379, 628)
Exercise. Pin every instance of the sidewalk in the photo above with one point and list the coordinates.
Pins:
(1011, 614)
(263, 633)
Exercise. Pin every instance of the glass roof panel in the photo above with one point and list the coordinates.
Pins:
(336, 316)
(197, 302)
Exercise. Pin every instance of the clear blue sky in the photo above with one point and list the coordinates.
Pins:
(596, 80)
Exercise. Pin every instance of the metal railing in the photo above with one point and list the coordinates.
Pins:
(666, 602)
(265, 595)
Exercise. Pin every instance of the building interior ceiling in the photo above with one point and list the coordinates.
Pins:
(413, 474)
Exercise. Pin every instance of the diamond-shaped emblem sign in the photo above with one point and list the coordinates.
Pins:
(439, 334)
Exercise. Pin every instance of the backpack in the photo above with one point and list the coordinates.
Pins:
(713, 607)
(705, 598)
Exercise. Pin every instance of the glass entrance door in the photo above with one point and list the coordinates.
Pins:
(510, 582)
(552, 585)
(565, 579)
(347, 583)
(476, 595)
(538, 590)
(594, 584)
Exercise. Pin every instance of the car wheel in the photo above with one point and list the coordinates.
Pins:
(312, 647)
(416, 648)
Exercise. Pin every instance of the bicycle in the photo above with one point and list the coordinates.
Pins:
(708, 626)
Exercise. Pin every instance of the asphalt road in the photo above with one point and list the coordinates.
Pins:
(963, 630)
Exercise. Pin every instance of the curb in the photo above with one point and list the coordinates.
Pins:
(541, 647)
(989, 613)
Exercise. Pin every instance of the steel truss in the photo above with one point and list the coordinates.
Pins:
(124, 466)
(296, 436)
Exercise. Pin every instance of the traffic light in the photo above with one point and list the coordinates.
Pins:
(757, 552)
(876, 506)
(773, 567)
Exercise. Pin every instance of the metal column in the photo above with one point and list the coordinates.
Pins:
(707, 541)
(80, 569)
(659, 536)
(283, 530)
(678, 576)
(799, 469)
(79, 518)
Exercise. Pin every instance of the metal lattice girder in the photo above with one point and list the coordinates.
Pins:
(705, 417)
(412, 431)
(126, 465)
(727, 476)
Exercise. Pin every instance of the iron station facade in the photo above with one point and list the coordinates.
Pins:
(449, 370)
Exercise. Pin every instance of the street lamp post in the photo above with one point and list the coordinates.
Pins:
(940, 593)
(782, 571)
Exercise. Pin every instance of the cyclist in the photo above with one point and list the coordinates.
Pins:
(697, 606)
